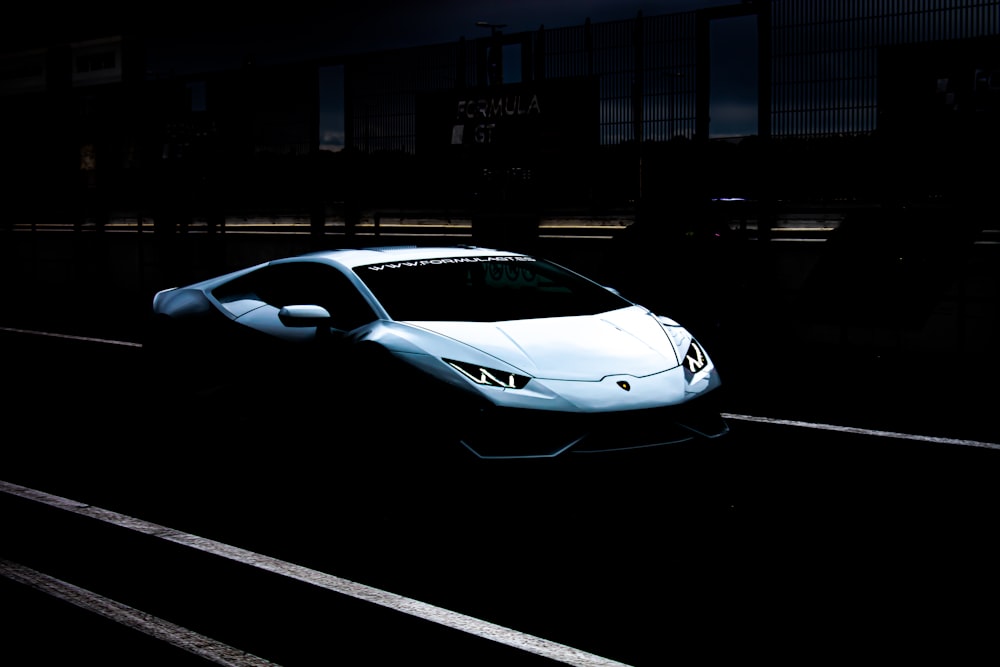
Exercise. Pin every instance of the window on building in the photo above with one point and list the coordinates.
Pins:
(97, 62)
(196, 95)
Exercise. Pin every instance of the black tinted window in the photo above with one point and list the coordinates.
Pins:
(303, 283)
(484, 290)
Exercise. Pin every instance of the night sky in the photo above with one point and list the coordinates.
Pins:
(188, 37)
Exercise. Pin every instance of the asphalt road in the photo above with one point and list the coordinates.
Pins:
(791, 540)
(850, 513)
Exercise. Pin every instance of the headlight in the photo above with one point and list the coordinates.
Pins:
(489, 377)
(693, 356)
(695, 360)
(678, 335)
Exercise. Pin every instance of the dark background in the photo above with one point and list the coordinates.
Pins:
(894, 275)
(783, 542)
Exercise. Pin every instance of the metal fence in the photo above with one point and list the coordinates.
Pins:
(820, 67)
(855, 99)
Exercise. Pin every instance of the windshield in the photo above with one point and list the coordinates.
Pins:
(484, 289)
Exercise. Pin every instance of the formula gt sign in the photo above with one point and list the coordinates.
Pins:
(523, 117)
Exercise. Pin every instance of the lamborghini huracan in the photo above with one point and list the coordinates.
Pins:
(495, 353)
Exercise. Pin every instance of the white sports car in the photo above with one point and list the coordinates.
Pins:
(508, 355)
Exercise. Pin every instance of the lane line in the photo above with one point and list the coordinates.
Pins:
(86, 339)
(862, 431)
(727, 415)
(163, 630)
(423, 610)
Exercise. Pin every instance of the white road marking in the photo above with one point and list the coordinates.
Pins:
(862, 431)
(727, 415)
(153, 626)
(86, 339)
(471, 625)
(439, 615)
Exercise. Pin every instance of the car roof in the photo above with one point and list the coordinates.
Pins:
(354, 257)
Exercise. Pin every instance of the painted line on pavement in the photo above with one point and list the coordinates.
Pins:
(181, 637)
(862, 431)
(86, 339)
(423, 610)
(727, 415)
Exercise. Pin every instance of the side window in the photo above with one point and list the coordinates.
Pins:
(238, 289)
(309, 283)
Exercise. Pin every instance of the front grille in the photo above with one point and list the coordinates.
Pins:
(512, 433)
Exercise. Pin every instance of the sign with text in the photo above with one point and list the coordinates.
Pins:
(525, 118)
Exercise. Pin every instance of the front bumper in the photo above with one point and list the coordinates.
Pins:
(508, 433)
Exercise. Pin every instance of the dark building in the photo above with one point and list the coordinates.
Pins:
(853, 103)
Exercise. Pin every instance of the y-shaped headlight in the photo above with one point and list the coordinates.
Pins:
(692, 355)
(489, 377)
(695, 360)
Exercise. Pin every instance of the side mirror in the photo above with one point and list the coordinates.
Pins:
(304, 316)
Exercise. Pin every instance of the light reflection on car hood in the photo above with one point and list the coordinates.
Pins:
(622, 342)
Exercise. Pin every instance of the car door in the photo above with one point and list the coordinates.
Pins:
(266, 347)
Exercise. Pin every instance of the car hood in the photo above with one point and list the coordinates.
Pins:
(628, 341)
